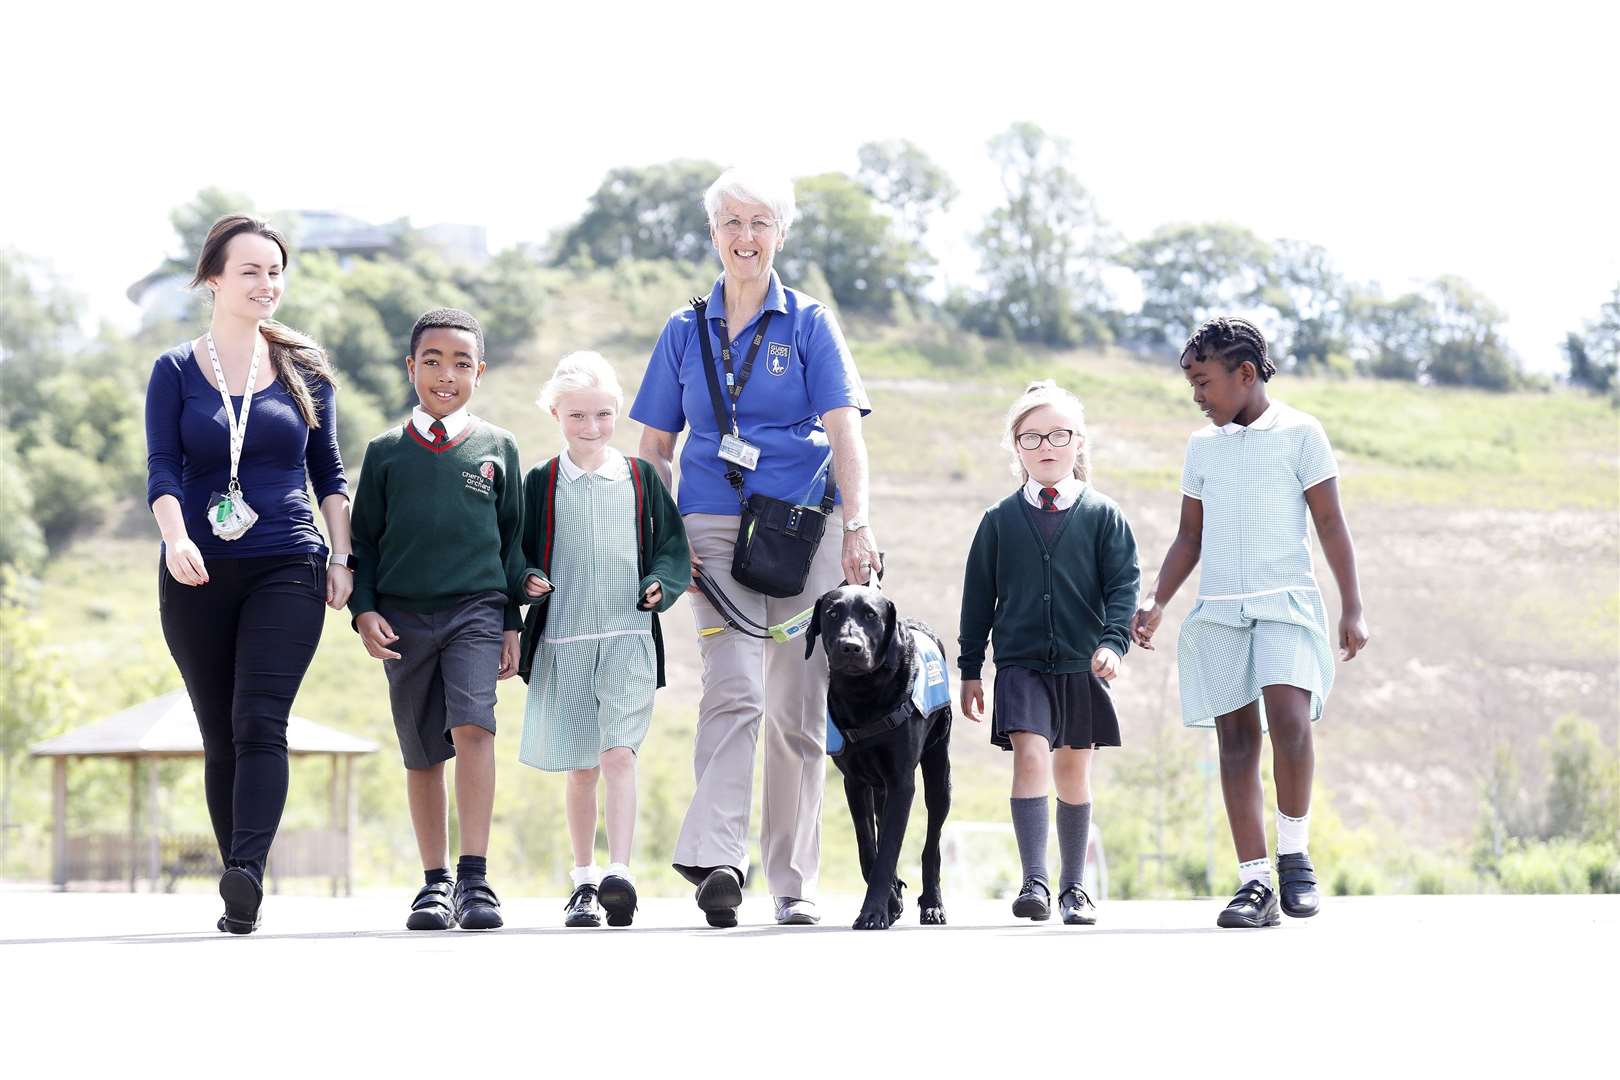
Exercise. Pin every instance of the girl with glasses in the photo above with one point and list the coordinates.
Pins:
(1051, 582)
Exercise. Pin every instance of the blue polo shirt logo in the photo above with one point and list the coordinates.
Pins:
(776, 358)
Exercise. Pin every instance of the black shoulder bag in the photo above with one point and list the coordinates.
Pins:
(776, 540)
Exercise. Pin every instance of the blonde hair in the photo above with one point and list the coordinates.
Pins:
(1047, 392)
(580, 371)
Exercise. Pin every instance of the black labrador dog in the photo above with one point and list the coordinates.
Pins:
(888, 696)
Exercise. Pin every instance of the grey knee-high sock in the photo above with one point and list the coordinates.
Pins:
(1029, 818)
(1073, 829)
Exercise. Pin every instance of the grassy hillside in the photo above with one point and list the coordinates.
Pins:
(1487, 529)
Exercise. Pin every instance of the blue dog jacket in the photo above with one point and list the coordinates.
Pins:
(930, 692)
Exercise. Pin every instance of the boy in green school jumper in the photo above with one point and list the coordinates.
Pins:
(439, 559)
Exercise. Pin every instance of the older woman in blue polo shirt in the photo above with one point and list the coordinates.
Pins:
(800, 405)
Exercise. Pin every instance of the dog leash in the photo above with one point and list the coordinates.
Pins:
(781, 632)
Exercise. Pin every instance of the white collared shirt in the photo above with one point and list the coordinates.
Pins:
(454, 424)
(1264, 422)
(613, 467)
(1069, 490)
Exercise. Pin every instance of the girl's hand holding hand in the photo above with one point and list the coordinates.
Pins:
(534, 588)
(652, 597)
(973, 700)
(1353, 634)
(376, 635)
(1105, 664)
(339, 584)
(1144, 622)
(509, 654)
(185, 562)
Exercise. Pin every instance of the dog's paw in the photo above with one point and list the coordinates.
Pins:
(897, 903)
(931, 915)
(873, 919)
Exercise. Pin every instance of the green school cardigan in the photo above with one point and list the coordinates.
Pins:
(660, 542)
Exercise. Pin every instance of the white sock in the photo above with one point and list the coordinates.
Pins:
(584, 875)
(1255, 870)
(1292, 833)
(619, 869)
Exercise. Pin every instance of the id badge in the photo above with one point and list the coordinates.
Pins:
(738, 452)
(229, 515)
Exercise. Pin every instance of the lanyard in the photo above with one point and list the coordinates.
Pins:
(238, 424)
(735, 383)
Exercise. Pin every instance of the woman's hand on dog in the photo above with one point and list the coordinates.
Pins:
(973, 700)
(1105, 664)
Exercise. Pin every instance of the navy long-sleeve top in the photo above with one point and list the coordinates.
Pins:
(188, 455)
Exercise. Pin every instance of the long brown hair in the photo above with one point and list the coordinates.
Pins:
(297, 357)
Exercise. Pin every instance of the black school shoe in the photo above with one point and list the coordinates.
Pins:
(242, 896)
(581, 909)
(431, 908)
(618, 895)
(719, 897)
(476, 907)
(1255, 905)
(1076, 907)
(1034, 901)
(1296, 880)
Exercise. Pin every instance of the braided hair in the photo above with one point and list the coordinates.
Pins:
(1231, 341)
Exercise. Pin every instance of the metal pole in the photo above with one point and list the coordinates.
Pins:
(154, 857)
(59, 853)
(333, 808)
(349, 812)
(134, 818)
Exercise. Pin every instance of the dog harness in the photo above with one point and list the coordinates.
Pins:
(930, 692)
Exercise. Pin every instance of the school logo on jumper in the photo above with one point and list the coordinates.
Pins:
(776, 358)
(482, 481)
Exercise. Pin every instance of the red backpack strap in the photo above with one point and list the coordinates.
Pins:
(551, 513)
(641, 499)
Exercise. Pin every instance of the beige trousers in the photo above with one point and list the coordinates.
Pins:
(746, 680)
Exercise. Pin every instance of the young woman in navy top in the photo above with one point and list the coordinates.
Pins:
(240, 422)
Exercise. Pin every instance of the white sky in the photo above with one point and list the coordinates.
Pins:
(1408, 139)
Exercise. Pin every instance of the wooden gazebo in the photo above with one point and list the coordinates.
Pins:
(166, 727)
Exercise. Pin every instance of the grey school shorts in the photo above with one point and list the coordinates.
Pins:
(445, 676)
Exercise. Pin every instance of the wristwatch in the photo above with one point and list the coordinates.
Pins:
(856, 523)
(341, 558)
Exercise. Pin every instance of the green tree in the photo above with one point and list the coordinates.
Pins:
(1310, 299)
(1190, 273)
(1468, 346)
(1583, 785)
(192, 221)
(913, 188)
(1042, 252)
(1391, 339)
(36, 694)
(1595, 357)
(644, 212)
(509, 296)
(841, 229)
(22, 545)
(36, 319)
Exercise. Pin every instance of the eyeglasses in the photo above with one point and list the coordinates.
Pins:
(1031, 440)
(736, 227)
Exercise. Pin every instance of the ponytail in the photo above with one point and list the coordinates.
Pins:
(299, 362)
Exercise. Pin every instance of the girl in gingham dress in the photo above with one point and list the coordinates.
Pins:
(1254, 651)
(606, 553)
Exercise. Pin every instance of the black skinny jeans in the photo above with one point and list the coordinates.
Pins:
(242, 643)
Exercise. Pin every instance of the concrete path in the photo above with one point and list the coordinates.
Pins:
(111, 984)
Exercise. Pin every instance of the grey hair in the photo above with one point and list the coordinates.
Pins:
(745, 185)
(580, 371)
(1047, 392)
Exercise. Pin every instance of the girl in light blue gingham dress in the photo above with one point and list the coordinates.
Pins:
(606, 553)
(1254, 651)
